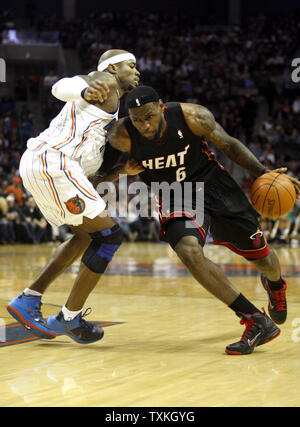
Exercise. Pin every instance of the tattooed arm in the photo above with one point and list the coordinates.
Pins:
(118, 137)
(202, 123)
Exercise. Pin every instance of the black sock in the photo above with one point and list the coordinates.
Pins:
(242, 305)
(275, 286)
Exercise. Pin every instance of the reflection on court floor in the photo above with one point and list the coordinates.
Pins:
(167, 343)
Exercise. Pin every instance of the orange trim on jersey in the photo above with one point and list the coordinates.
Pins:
(50, 185)
(84, 189)
(86, 135)
(64, 165)
(39, 146)
(72, 127)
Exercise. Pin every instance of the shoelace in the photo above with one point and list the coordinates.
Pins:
(36, 312)
(249, 324)
(83, 322)
(279, 300)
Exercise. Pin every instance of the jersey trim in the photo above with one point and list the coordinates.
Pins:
(51, 184)
(251, 254)
(73, 130)
(85, 135)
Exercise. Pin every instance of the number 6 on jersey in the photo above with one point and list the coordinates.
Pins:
(180, 174)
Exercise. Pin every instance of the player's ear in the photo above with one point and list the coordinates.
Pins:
(112, 69)
(161, 104)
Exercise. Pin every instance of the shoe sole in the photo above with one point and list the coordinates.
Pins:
(277, 321)
(26, 325)
(236, 353)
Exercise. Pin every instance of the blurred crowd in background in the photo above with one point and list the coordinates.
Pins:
(242, 74)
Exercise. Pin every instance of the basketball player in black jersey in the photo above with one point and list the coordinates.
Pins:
(169, 142)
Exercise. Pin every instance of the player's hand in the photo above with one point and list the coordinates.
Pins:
(96, 91)
(279, 170)
(296, 185)
(131, 167)
(295, 181)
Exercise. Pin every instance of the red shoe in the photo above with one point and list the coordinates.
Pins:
(259, 330)
(277, 301)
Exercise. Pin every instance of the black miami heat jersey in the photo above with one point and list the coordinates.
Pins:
(184, 157)
(178, 156)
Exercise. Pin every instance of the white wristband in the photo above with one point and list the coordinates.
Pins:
(69, 88)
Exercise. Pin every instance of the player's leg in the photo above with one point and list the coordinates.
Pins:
(57, 194)
(206, 272)
(63, 257)
(106, 237)
(274, 284)
(188, 246)
(26, 308)
(243, 234)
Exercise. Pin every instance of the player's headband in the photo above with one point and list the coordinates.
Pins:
(116, 59)
(140, 96)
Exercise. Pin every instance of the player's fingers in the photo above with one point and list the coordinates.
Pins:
(96, 94)
(133, 168)
(102, 88)
(136, 166)
(296, 186)
(100, 85)
(280, 170)
(102, 95)
(295, 181)
(91, 94)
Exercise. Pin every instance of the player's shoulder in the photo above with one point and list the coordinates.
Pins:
(196, 114)
(190, 108)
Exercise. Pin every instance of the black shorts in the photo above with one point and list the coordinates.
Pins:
(227, 215)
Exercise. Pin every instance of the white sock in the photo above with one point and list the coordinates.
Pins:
(30, 292)
(69, 315)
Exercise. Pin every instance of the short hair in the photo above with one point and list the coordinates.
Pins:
(141, 95)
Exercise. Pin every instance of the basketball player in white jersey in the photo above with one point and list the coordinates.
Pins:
(55, 169)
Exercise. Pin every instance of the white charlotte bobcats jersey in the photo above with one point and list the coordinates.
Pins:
(78, 132)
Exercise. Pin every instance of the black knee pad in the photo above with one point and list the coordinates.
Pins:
(102, 248)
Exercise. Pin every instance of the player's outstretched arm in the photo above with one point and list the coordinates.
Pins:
(93, 88)
(202, 123)
(236, 151)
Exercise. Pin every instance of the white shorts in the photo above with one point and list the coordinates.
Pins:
(59, 187)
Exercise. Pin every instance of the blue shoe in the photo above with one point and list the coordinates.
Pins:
(27, 311)
(78, 329)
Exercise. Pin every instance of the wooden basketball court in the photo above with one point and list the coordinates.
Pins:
(164, 339)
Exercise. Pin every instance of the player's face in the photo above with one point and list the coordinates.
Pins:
(128, 75)
(149, 120)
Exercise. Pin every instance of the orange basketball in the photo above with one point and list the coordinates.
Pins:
(273, 195)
